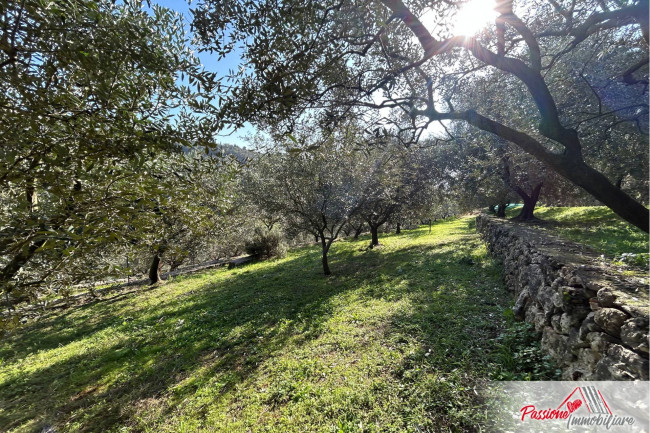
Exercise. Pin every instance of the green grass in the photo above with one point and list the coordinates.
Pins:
(595, 226)
(395, 341)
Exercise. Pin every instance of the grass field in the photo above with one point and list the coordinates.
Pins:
(595, 226)
(396, 340)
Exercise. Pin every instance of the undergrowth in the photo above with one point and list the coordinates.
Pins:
(518, 354)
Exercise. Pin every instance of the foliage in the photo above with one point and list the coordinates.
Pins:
(266, 244)
(333, 180)
(399, 184)
(315, 191)
(389, 343)
(518, 354)
(91, 104)
(400, 67)
(641, 260)
(191, 209)
(611, 142)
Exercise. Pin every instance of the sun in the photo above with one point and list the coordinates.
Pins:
(473, 17)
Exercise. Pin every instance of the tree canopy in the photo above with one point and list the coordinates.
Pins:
(91, 102)
(357, 57)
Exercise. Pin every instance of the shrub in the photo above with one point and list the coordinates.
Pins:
(266, 244)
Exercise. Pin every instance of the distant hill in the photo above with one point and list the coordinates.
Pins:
(240, 153)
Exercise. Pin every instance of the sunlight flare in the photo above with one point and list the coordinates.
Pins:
(473, 17)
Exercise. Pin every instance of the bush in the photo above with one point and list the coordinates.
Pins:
(266, 244)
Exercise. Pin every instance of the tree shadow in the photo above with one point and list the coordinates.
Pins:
(108, 364)
(227, 328)
(455, 315)
(55, 328)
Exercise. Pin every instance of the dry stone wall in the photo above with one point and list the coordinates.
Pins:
(592, 316)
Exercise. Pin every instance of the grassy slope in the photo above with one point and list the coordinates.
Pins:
(596, 226)
(394, 341)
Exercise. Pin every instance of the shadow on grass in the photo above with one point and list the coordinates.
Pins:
(230, 327)
(55, 328)
(595, 226)
(454, 318)
(149, 352)
(455, 299)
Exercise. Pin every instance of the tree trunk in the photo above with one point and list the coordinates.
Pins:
(326, 247)
(176, 262)
(430, 225)
(398, 230)
(154, 270)
(357, 231)
(617, 200)
(375, 238)
(492, 208)
(501, 210)
(530, 201)
(570, 165)
(17, 263)
(316, 237)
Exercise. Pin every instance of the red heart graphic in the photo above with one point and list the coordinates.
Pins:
(573, 405)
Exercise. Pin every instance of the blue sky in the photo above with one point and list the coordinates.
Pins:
(211, 63)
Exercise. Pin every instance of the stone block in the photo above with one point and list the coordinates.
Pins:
(634, 333)
(605, 298)
(555, 323)
(611, 320)
(620, 363)
(556, 345)
(588, 325)
(599, 341)
(519, 308)
(568, 322)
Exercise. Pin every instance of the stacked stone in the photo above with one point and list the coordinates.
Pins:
(593, 320)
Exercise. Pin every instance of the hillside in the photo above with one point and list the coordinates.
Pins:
(397, 339)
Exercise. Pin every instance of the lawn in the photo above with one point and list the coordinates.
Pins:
(595, 226)
(397, 340)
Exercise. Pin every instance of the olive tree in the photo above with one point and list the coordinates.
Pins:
(191, 211)
(344, 56)
(91, 98)
(397, 184)
(316, 191)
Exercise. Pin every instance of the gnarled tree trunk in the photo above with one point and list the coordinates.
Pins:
(530, 201)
